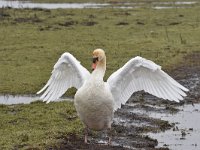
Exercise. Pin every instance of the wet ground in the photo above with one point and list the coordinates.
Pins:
(186, 132)
(147, 122)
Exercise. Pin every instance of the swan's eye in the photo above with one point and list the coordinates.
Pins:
(95, 59)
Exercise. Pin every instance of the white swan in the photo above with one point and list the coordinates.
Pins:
(96, 100)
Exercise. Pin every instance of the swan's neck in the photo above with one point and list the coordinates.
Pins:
(99, 72)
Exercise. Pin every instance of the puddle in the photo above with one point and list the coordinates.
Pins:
(129, 123)
(174, 3)
(23, 99)
(28, 4)
(186, 132)
(10, 99)
(165, 7)
(23, 4)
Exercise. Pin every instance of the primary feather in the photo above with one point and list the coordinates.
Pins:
(67, 73)
(141, 74)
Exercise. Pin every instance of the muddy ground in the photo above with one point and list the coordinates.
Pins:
(132, 121)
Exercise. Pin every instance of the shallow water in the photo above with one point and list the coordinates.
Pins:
(175, 3)
(22, 4)
(165, 7)
(186, 134)
(10, 99)
(27, 4)
(23, 99)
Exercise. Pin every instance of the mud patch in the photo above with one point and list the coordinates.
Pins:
(72, 142)
(4, 15)
(34, 19)
(68, 23)
(140, 23)
(89, 23)
(122, 14)
(122, 24)
(48, 28)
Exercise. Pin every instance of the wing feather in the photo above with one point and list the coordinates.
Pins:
(142, 74)
(67, 73)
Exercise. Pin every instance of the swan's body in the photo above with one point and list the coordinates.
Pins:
(98, 114)
(96, 100)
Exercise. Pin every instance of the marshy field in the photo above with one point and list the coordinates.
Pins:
(32, 40)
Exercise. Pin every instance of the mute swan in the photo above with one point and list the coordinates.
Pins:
(95, 100)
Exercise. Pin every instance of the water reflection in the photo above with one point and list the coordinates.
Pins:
(185, 134)
(23, 4)
(24, 99)
(175, 3)
(10, 99)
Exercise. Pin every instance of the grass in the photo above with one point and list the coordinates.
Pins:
(37, 125)
(31, 41)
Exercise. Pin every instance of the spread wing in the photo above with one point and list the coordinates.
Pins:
(142, 74)
(67, 73)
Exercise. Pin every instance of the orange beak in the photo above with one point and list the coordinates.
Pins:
(94, 64)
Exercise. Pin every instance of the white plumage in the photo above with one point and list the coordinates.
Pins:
(96, 100)
(141, 74)
(67, 73)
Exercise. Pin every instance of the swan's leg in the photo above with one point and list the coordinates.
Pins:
(109, 132)
(86, 135)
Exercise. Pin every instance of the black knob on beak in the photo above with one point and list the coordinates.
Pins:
(95, 59)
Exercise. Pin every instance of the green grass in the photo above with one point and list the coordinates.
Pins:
(37, 125)
(31, 41)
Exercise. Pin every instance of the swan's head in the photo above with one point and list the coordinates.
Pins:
(98, 57)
